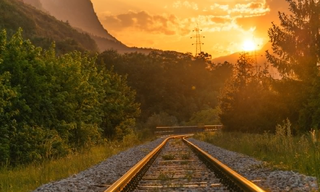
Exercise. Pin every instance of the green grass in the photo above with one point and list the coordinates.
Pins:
(28, 178)
(185, 156)
(168, 157)
(280, 150)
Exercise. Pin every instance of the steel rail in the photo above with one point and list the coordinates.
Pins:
(238, 181)
(121, 183)
(242, 183)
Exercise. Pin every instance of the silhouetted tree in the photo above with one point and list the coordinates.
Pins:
(296, 54)
(246, 100)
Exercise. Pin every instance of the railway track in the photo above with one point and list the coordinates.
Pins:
(178, 165)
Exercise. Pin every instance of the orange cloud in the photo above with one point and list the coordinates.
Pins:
(141, 21)
(169, 24)
(250, 9)
(220, 19)
(186, 4)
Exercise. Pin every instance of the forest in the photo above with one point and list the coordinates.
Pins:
(54, 102)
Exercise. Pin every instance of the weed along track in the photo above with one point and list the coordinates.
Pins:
(178, 168)
(178, 165)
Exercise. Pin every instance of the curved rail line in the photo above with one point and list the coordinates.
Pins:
(229, 177)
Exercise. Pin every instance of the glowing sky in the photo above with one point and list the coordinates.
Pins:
(169, 24)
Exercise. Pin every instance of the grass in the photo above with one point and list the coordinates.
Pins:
(280, 150)
(189, 175)
(168, 157)
(185, 156)
(28, 178)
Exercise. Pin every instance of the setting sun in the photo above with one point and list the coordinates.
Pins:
(248, 45)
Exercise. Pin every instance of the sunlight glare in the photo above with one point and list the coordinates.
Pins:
(248, 45)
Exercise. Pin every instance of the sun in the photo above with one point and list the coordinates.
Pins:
(248, 45)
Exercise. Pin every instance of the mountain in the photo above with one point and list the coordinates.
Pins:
(35, 3)
(80, 15)
(42, 28)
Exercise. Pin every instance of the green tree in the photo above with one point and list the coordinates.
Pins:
(7, 94)
(161, 119)
(51, 104)
(206, 117)
(119, 108)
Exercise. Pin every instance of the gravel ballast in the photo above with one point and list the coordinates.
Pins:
(102, 175)
(254, 170)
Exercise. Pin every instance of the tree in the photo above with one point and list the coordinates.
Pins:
(7, 94)
(246, 100)
(296, 54)
(206, 116)
(296, 43)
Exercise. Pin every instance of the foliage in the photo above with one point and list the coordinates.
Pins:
(53, 105)
(161, 119)
(296, 53)
(7, 95)
(246, 102)
(168, 82)
(205, 117)
(295, 44)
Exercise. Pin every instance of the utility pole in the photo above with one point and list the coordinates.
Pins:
(198, 42)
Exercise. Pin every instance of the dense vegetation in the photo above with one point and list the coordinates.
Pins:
(254, 102)
(171, 85)
(42, 28)
(51, 105)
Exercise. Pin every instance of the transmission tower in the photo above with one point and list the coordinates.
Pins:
(198, 42)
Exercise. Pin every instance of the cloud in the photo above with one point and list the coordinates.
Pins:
(220, 19)
(250, 9)
(223, 22)
(217, 6)
(217, 17)
(142, 21)
(186, 4)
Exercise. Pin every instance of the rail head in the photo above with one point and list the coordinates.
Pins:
(238, 179)
(122, 182)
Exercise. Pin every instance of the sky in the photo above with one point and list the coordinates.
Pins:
(225, 26)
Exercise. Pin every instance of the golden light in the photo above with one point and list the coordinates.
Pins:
(249, 45)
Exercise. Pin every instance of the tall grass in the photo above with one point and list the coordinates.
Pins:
(281, 150)
(28, 178)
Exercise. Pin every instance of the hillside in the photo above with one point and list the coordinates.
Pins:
(80, 14)
(42, 28)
